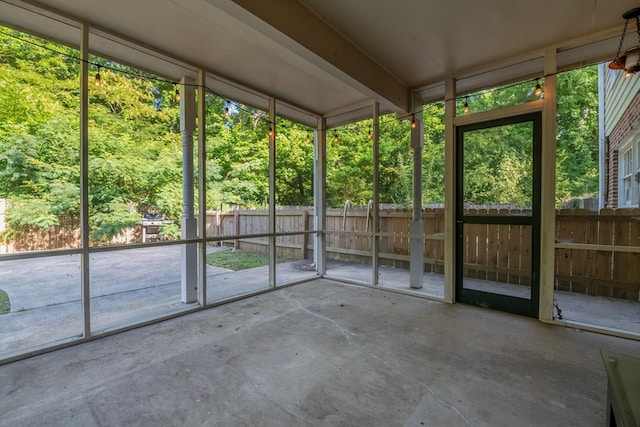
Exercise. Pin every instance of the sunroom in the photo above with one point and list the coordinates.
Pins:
(425, 153)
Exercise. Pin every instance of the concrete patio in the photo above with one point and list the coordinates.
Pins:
(46, 301)
(127, 287)
(321, 353)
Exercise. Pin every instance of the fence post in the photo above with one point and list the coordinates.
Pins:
(236, 225)
(218, 223)
(305, 236)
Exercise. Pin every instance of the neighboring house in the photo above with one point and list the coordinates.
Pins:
(619, 138)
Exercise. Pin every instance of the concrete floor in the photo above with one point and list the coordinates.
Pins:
(321, 353)
(134, 286)
(601, 311)
(127, 287)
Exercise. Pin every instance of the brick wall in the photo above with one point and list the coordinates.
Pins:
(629, 121)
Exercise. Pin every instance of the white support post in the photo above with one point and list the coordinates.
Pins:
(449, 191)
(375, 223)
(548, 182)
(84, 180)
(319, 196)
(202, 188)
(189, 265)
(272, 193)
(416, 253)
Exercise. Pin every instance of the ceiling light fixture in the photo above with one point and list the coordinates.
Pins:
(97, 79)
(465, 109)
(413, 121)
(630, 61)
(177, 93)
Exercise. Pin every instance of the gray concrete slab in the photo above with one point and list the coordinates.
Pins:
(133, 286)
(321, 353)
(600, 311)
(40, 282)
(128, 286)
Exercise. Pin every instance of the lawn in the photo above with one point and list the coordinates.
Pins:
(5, 305)
(237, 260)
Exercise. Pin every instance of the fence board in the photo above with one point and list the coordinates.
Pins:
(506, 251)
(469, 233)
(634, 259)
(591, 256)
(578, 259)
(429, 223)
(623, 229)
(492, 248)
(481, 247)
(564, 230)
(439, 244)
(604, 259)
(386, 244)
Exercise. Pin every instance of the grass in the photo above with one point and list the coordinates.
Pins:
(237, 260)
(5, 305)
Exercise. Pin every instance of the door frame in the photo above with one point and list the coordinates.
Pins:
(531, 306)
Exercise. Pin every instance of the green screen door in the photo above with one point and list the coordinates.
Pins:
(497, 213)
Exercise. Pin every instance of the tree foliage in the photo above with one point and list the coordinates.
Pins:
(577, 140)
(501, 163)
(135, 147)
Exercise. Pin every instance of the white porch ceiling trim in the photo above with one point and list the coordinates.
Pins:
(292, 19)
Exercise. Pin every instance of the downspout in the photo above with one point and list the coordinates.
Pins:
(607, 171)
(603, 141)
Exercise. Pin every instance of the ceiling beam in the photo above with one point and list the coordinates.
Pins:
(300, 24)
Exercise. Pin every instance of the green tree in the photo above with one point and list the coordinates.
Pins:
(396, 161)
(135, 155)
(498, 165)
(294, 164)
(577, 148)
(238, 155)
(349, 165)
(576, 145)
(38, 136)
(433, 154)
(134, 151)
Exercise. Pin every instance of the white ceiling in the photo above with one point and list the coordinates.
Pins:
(329, 57)
(425, 41)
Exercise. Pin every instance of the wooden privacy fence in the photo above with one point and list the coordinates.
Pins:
(494, 252)
(599, 272)
(247, 222)
(491, 252)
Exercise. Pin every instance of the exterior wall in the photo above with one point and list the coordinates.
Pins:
(625, 131)
(621, 125)
(619, 93)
